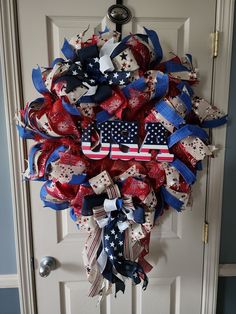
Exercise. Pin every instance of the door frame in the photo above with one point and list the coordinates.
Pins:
(215, 175)
(13, 101)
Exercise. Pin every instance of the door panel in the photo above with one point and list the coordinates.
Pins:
(163, 296)
(73, 299)
(176, 246)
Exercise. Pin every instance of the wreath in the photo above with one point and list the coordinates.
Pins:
(119, 137)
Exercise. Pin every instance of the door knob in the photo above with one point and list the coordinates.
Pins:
(47, 264)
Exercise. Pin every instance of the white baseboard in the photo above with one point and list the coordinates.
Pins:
(9, 281)
(227, 270)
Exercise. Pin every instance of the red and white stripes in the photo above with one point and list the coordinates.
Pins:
(133, 152)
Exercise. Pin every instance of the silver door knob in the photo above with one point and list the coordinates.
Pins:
(47, 264)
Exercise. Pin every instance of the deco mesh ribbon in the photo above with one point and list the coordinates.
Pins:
(119, 137)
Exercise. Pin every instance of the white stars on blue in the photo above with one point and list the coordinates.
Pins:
(156, 134)
(120, 132)
(118, 78)
(113, 242)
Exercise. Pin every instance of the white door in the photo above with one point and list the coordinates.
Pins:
(176, 246)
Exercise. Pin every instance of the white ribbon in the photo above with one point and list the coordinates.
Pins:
(106, 64)
(108, 48)
(110, 205)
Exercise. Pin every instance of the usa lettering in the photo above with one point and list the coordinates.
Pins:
(119, 139)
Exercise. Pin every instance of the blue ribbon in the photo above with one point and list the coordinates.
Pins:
(55, 154)
(171, 66)
(56, 206)
(103, 116)
(26, 134)
(114, 246)
(169, 113)
(139, 215)
(190, 58)
(78, 179)
(86, 99)
(57, 60)
(143, 37)
(186, 173)
(68, 50)
(87, 184)
(88, 53)
(106, 30)
(43, 195)
(185, 131)
(199, 165)
(121, 47)
(108, 274)
(70, 108)
(102, 93)
(162, 84)
(181, 86)
(38, 81)
(73, 215)
(171, 199)
(130, 269)
(119, 203)
(139, 84)
(91, 201)
(156, 44)
(214, 123)
(116, 78)
(34, 149)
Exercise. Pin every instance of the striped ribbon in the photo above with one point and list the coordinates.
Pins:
(90, 260)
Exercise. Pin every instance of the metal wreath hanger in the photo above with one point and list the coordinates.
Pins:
(119, 14)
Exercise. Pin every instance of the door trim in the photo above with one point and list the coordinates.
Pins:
(220, 97)
(9, 281)
(13, 95)
(12, 89)
(227, 270)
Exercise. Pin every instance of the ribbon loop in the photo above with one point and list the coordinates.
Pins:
(185, 131)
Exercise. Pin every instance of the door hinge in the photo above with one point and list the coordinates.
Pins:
(205, 232)
(215, 43)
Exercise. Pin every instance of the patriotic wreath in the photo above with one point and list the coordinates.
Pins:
(119, 138)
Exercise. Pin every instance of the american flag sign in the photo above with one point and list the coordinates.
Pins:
(119, 140)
